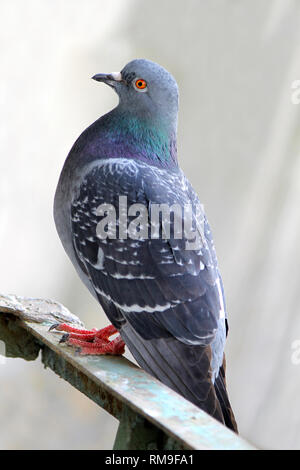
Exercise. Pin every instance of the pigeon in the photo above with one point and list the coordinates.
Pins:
(138, 237)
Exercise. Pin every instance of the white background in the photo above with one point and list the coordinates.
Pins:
(239, 144)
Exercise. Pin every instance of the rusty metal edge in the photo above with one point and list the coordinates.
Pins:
(213, 435)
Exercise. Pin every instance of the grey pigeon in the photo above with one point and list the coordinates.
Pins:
(163, 294)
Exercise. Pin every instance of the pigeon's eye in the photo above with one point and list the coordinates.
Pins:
(140, 84)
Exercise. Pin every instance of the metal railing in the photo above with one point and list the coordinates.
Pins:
(152, 416)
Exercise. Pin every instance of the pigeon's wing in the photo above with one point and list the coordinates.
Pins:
(165, 299)
(164, 281)
(220, 387)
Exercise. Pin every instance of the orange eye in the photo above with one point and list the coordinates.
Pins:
(140, 84)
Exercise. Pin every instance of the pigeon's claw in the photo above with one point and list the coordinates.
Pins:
(64, 338)
(94, 341)
(54, 326)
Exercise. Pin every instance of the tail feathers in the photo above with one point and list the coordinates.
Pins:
(184, 368)
(220, 387)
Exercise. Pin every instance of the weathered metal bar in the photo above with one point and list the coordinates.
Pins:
(152, 416)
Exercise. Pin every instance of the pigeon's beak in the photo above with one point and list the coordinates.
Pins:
(108, 78)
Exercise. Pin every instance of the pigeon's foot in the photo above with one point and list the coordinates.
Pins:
(93, 341)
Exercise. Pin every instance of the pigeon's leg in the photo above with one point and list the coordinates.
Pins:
(104, 333)
(91, 341)
(116, 347)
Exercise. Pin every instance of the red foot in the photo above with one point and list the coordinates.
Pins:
(91, 341)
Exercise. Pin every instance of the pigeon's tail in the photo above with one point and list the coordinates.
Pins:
(183, 368)
(220, 387)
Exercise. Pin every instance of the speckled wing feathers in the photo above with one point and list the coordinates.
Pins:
(141, 277)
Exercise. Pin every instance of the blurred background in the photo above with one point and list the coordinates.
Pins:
(239, 143)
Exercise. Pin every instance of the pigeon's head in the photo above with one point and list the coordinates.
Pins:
(145, 89)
